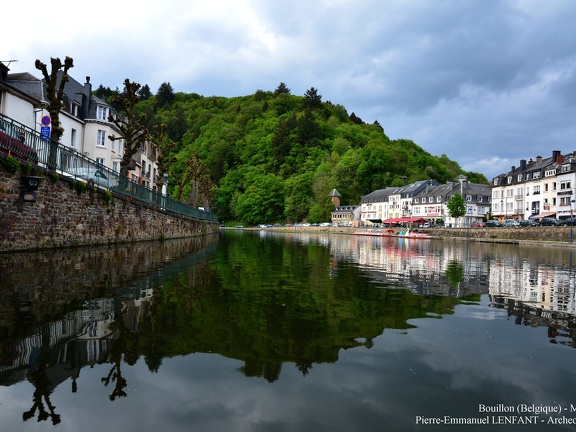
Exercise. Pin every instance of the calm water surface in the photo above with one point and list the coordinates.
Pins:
(260, 331)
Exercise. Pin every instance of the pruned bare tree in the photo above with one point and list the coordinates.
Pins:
(129, 123)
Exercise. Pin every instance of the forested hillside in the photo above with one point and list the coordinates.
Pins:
(274, 157)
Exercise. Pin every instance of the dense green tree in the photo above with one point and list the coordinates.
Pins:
(262, 201)
(356, 119)
(176, 123)
(104, 92)
(144, 92)
(298, 197)
(307, 128)
(312, 99)
(165, 95)
(282, 89)
(282, 140)
(456, 206)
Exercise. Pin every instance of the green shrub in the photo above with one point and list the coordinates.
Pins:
(106, 196)
(79, 186)
(11, 164)
(54, 177)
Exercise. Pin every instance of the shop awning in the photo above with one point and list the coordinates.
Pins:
(404, 220)
(542, 215)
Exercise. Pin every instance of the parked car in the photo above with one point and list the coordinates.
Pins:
(493, 224)
(528, 223)
(511, 223)
(569, 221)
(96, 175)
(478, 224)
(424, 225)
(550, 222)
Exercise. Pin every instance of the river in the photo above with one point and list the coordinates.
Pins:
(263, 331)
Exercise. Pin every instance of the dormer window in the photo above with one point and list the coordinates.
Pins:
(509, 179)
(101, 113)
(468, 197)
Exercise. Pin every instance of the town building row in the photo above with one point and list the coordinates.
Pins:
(535, 189)
(84, 118)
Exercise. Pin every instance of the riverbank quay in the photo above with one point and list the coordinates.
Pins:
(63, 212)
(550, 236)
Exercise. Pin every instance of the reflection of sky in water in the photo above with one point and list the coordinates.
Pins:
(443, 367)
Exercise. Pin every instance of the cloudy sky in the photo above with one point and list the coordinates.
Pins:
(486, 82)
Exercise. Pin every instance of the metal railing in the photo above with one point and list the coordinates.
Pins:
(28, 145)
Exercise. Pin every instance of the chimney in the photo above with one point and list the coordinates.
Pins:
(86, 96)
(538, 159)
(555, 154)
(522, 164)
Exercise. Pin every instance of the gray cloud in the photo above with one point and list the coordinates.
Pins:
(486, 83)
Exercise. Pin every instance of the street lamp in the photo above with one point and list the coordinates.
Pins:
(572, 201)
(462, 178)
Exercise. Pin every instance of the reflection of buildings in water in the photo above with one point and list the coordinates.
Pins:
(561, 325)
(60, 349)
(420, 265)
(540, 285)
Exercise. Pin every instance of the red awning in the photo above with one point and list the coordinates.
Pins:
(542, 215)
(404, 220)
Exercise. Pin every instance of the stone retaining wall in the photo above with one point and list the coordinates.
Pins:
(64, 217)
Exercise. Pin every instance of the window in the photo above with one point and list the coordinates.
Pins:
(536, 189)
(431, 199)
(509, 179)
(479, 199)
(468, 197)
(115, 166)
(100, 161)
(101, 139)
(545, 187)
(495, 182)
(519, 177)
(74, 109)
(416, 200)
(73, 138)
(438, 199)
(101, 113)
(536, 175)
